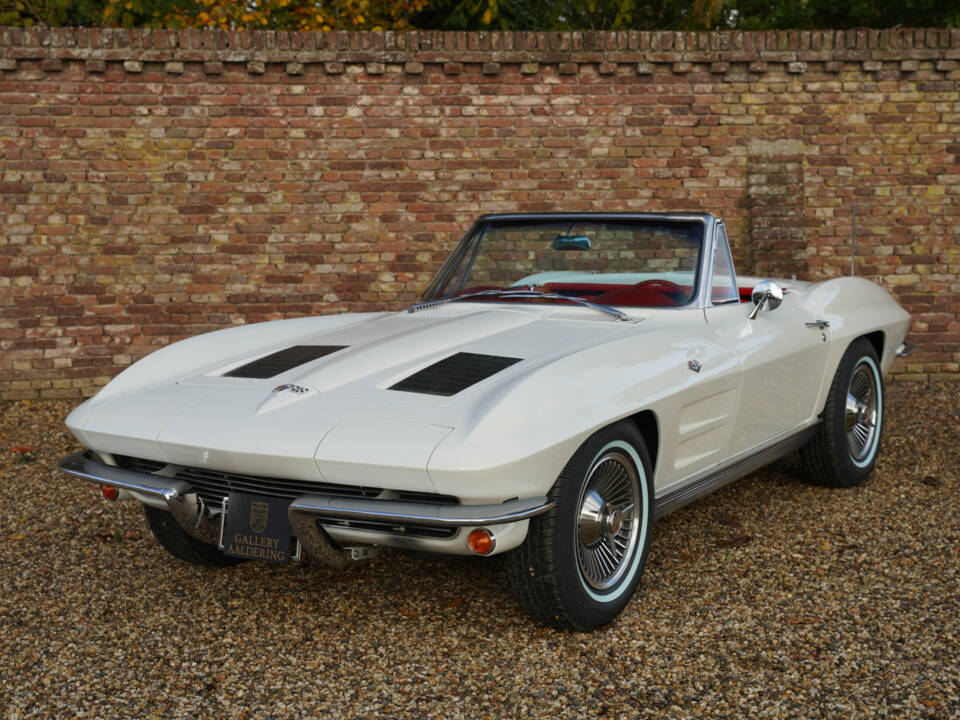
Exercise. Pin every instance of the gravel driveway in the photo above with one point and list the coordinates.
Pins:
(770, 598)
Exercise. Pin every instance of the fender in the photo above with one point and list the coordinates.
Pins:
(855, 307)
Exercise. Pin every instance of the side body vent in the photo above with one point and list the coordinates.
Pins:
(455, 373)
(282, 360)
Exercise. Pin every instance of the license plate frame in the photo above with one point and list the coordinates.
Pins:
(256, 527)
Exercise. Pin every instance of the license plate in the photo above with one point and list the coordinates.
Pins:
(255, 527)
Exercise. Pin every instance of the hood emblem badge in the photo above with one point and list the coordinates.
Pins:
(298, 389)
(694, 365)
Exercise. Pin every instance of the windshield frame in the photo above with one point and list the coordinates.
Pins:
(699, 298)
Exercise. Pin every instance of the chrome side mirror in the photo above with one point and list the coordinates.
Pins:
(766, 292)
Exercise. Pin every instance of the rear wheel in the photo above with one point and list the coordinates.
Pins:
(844, 450)
(583, 559)
(179, 543)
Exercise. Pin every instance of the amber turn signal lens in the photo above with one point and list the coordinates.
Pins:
(109, 492)
(481, 541)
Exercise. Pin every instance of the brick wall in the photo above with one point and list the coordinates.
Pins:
(158, 184)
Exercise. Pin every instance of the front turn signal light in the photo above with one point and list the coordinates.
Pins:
(481, 541)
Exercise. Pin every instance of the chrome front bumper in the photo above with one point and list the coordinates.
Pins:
(905, 349)
(308, 511)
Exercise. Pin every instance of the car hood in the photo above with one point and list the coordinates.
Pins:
(376, 354)
(338, 417)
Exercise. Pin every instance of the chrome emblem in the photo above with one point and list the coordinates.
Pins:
(298, 389)
(259, 511)
(694, 365)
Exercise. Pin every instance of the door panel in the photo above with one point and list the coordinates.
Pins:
(783, 363)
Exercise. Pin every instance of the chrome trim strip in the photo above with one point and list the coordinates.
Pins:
(612, 216)
(676, 499)
(705, 271)
(403, 513)
(708, 301)
(223, 521)
(81, 466)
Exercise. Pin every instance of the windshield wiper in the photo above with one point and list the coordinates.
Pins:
(605, 309)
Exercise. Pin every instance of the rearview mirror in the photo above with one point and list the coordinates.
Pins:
(571, 242)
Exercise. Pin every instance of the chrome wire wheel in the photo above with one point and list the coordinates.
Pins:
(608, 525)
(861, 411)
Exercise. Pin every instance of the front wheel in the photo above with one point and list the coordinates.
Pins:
(582, 560)
(844, 450)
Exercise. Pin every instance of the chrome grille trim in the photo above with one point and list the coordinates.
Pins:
(214, 485)
(407, 530)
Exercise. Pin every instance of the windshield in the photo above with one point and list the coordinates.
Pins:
(638, 263)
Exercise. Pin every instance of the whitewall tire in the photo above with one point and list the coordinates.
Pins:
(582, 560)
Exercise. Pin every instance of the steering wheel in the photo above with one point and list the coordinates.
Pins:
(664, 286)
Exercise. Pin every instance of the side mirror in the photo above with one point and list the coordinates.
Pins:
(766, 293)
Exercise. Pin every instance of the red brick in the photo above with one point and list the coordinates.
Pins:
(243, 193)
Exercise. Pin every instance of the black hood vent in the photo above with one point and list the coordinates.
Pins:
(282, 360)
(455, 373)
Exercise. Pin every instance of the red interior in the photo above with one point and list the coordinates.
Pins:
(653, 293)
(666, 295)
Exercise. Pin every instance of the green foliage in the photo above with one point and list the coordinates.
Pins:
(136, 13)
(485, 14)
(842, 14)
(560, 15)
(295, 14)
(86, 13)
(685, 14)
(224, 14)
(29, 13)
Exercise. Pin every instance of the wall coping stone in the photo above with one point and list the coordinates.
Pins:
(678, 52)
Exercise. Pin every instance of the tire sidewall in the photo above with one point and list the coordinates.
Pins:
(859, 353)
(590, 607)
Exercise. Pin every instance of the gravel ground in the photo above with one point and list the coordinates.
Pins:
(770, 598)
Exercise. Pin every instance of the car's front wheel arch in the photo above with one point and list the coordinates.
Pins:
(648, 424)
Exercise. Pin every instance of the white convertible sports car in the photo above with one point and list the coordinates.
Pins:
(565, 380)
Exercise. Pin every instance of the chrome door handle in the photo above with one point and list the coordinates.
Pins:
(819, 324)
